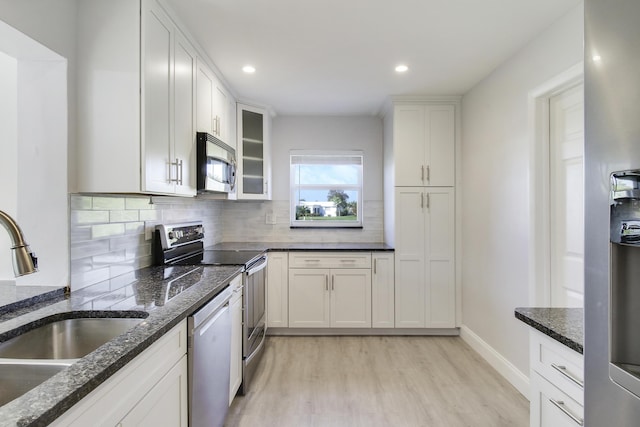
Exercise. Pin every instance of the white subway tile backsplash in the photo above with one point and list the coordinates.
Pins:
(89, 217)
(139, 203)
(124, 216)
(108, 203)
(106, 230)
(149, 215)
(109, 233)
(83, 249)
(80, 202)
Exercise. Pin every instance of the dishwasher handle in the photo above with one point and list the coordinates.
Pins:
(212, 307)
(257, 266)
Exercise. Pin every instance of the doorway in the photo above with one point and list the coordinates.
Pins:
(557, 191)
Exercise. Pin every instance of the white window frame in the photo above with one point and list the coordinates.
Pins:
(293, 189)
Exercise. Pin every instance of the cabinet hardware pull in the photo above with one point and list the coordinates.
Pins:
(428, 201)
(178, 178)
(560, 405)
(333, 279)
(563, 370)
(421, 200)
(428, 173)
(326, 282)
(422, 173)
(375, 264)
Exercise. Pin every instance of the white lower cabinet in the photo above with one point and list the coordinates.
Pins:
(557, 378)
(151, 390)
(336, 298)
(235, 305)
(382, 290)
(278, 290)
(425, 257)
(160, 406)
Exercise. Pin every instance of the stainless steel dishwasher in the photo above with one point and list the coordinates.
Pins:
(209, 362)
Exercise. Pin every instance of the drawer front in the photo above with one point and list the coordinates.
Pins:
(329, 259)
(559, 364)
(551, 407)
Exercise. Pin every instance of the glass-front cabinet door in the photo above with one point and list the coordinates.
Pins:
(254, 167)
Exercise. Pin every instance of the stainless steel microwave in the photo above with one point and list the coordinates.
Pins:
(216, 164)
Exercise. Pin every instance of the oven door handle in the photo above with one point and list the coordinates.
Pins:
(262, 266)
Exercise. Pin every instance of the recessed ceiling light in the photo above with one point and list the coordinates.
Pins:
(401, 68)
(249, 69)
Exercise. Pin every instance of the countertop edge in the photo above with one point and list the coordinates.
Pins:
(549, 330)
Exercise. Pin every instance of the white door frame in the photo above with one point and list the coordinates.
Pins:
(539, 197)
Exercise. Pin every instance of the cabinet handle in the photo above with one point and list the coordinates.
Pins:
(563, 370)
(560, 405)
(218, 125)
(333, 279)
(428, 173)
(422, 173)
(428, 201)
(326, 282)
(266, 187)
(178, 178)
(421, 200)
(375, 264)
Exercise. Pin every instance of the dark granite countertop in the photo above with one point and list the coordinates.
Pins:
(13, 298)
(564, 325)
(284, 247)
(136, 294)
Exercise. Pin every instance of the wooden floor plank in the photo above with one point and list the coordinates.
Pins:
(376, 381)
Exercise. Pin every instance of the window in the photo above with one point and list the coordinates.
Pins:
(326, 188)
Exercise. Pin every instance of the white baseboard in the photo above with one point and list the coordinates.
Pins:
(505, 368)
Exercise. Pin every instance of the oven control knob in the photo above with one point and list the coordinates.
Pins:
(170, 235)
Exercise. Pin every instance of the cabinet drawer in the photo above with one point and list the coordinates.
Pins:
(330, 260)
(551, 407)
(559, 364)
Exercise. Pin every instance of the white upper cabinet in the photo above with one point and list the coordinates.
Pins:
(253, 150)
(424, 145)
(213, 105)
(136, 100)
(168, 106)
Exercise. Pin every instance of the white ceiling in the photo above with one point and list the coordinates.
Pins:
(337, 57)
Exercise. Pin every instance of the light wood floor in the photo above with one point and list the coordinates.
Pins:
(376, 381)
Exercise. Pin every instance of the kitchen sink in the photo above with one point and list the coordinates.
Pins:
(20, 377)
(65, 339)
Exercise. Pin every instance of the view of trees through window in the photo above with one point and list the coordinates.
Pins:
(326, 189)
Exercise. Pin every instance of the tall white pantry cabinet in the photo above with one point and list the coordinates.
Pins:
(420, 148)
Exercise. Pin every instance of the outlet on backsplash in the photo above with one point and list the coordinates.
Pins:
(270, 218)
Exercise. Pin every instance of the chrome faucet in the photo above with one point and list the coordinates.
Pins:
(24, 262)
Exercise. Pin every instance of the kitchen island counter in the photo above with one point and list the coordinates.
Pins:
(165, 296)
(564, 325)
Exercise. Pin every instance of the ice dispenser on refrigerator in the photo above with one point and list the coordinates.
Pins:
(624, 346)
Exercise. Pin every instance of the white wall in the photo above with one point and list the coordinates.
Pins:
(9, 152)
(495, 186)
(327, 133)
(42, 130)
(52, 24)
(312, 132)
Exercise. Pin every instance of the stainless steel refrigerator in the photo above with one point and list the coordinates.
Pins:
(612, 213)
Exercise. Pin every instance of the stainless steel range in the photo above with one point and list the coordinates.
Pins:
(183, 244)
